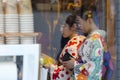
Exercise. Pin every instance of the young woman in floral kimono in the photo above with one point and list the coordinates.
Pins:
(91, 52)
(69, 53)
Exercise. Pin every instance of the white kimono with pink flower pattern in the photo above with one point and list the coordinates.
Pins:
(61, 72)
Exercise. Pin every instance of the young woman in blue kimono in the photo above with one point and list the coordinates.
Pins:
(91, 52)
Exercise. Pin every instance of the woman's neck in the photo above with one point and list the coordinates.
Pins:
(73, 35)
(92, 29)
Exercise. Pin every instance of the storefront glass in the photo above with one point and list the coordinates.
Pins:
(49, 16)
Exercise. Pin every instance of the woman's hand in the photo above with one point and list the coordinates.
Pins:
(69, 64)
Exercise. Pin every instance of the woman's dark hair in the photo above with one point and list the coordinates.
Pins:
(71, 19)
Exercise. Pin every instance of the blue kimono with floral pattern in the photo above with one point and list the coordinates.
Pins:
(91, 52)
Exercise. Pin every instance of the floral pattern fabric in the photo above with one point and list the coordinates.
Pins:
(91, 53)
(61, 72)
(107, 66)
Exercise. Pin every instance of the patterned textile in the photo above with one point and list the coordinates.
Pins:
(91, 52)
(61, 72)
(108, 66)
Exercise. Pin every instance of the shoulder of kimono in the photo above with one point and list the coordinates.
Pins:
(81, 37)
(96, 33)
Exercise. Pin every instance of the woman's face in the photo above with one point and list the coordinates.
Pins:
(67, 31)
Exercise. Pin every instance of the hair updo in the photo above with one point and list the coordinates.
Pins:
(71, 19)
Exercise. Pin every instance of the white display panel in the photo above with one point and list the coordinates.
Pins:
(30, 55)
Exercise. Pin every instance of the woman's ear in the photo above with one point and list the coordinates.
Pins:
(74, 27)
